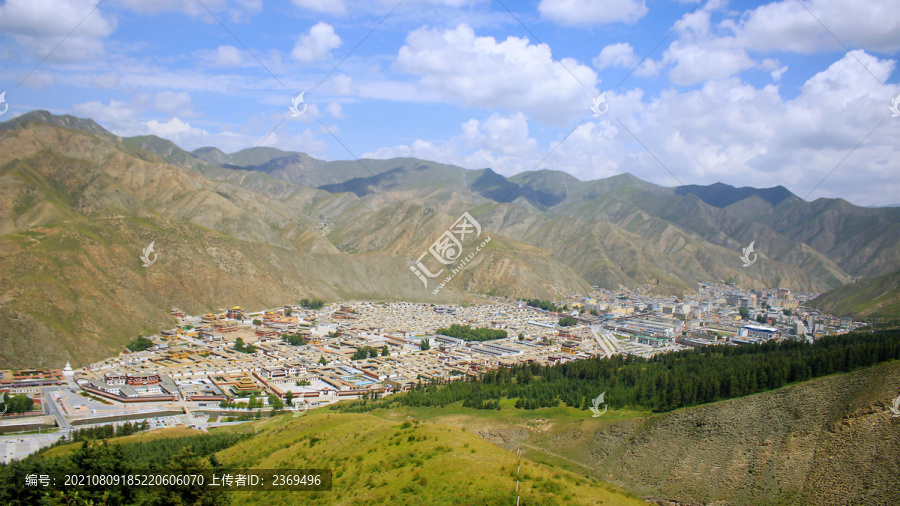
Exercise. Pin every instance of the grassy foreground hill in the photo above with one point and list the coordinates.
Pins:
(374, 460)
(831, 440)
(380, 461)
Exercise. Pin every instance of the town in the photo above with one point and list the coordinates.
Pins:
(235, 365)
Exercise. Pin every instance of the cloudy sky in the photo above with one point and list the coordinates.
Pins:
(746, 93)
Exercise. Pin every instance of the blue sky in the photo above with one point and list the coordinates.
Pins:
(745, 93)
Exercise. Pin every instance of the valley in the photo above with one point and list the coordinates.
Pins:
(81, 204)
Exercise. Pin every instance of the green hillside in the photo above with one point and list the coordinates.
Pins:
(374, 460)
(379, 461)
(862, 298)
(831, 440)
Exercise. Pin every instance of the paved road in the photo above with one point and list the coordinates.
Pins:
(605, 340)
(52, 407)
(19, 446)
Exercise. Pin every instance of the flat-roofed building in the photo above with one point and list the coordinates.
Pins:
(759, 331)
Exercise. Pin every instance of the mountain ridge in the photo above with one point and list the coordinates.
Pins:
(78, 206)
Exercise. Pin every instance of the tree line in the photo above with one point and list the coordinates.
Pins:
(243, 348)
(139, 343)
(182, 455)
(546, 305)
(662, 383)
(467, 333)
(364, 352)
(312, 304)
(103, 432)
(293, 339)
(567, 321)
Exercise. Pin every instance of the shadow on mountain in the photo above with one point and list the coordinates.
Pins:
(494, 186)
(362, 186)
(723, 195)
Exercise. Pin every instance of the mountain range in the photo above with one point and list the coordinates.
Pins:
(263, 227)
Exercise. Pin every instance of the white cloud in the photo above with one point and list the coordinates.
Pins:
(339, 7)
(342, 84)
(499, 142)
(108, 80)
(237, 10)
(125, 119)
(171, 128)
(190, 137)
(788, 26)
(777, 73)
(577, 12)
(705, 60)
(317, 44)
(120, 116)
(448, 3)
(732, 132)
(511, 74)
(726, 130)
(620, 55)
(329, 6)
(228, 56)
(774, 67)
(39, 25)
(507, 135)
(39, 80)
(158, 6)
(699, 54)
(335, 110)
(705, 51)
(173, 103)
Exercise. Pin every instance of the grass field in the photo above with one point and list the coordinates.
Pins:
(411, 461)
(537, 428)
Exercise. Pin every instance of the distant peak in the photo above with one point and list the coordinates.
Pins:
(63, 120)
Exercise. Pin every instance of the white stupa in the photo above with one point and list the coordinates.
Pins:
(67, 371)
